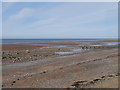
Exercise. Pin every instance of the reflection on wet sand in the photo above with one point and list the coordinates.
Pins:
(62, 64)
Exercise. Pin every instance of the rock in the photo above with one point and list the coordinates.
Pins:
(91, 82)
(110, 75)
(76, 84)
(14, 81)
(81, 81)
(96, 80)
(103, 77)
(44, 71)
(17, 53)
(3, 57)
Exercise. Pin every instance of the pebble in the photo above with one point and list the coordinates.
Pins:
(110, 75)
(81, 81)
(103, 77)
(14, 81)
(96, 80)
(91, 82)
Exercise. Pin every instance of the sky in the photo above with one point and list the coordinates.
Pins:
(0, 20)
(60, 20)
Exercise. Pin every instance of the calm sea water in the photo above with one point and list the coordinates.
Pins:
(9, 41)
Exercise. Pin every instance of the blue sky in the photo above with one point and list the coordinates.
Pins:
(60, 20)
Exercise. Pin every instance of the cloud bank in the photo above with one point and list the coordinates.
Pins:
(61, 20)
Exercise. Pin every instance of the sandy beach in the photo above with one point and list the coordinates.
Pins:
(74, 64)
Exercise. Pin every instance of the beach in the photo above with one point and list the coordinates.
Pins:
(60, 64)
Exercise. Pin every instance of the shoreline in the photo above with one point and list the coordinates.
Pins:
(39, 64)
(29, 46)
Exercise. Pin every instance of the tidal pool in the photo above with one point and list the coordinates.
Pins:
(72, 51)
(91, 45)
(60, 46)
(62, 53)
(111, 43)
(79, 50)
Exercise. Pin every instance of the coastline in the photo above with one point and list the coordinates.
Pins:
(37, 64)
(28, 45)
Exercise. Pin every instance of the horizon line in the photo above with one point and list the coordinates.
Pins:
(60, 38)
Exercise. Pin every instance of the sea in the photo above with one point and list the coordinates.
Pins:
(14, 41)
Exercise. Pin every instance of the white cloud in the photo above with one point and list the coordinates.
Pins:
(64, 20)
(65, 17)
(43, 22)
(21, 15)
(59, 22)
(93, 17)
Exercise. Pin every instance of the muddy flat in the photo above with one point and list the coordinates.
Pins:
(61, 71)
(95, 68)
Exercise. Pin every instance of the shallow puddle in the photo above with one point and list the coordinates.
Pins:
(72, 51)
(63, 53)
(111, 43)
(91, 45)
(79, 50)
(60, 46)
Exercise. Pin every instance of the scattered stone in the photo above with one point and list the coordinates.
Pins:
(96, 80)
(3, 57)
(110, 75)
(91, 82)
(17, 53)
(76, 84)
(81, 81)
(103, 77)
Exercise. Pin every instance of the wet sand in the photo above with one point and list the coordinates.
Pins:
(14, 47)
(19, 46)
(94, 68)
